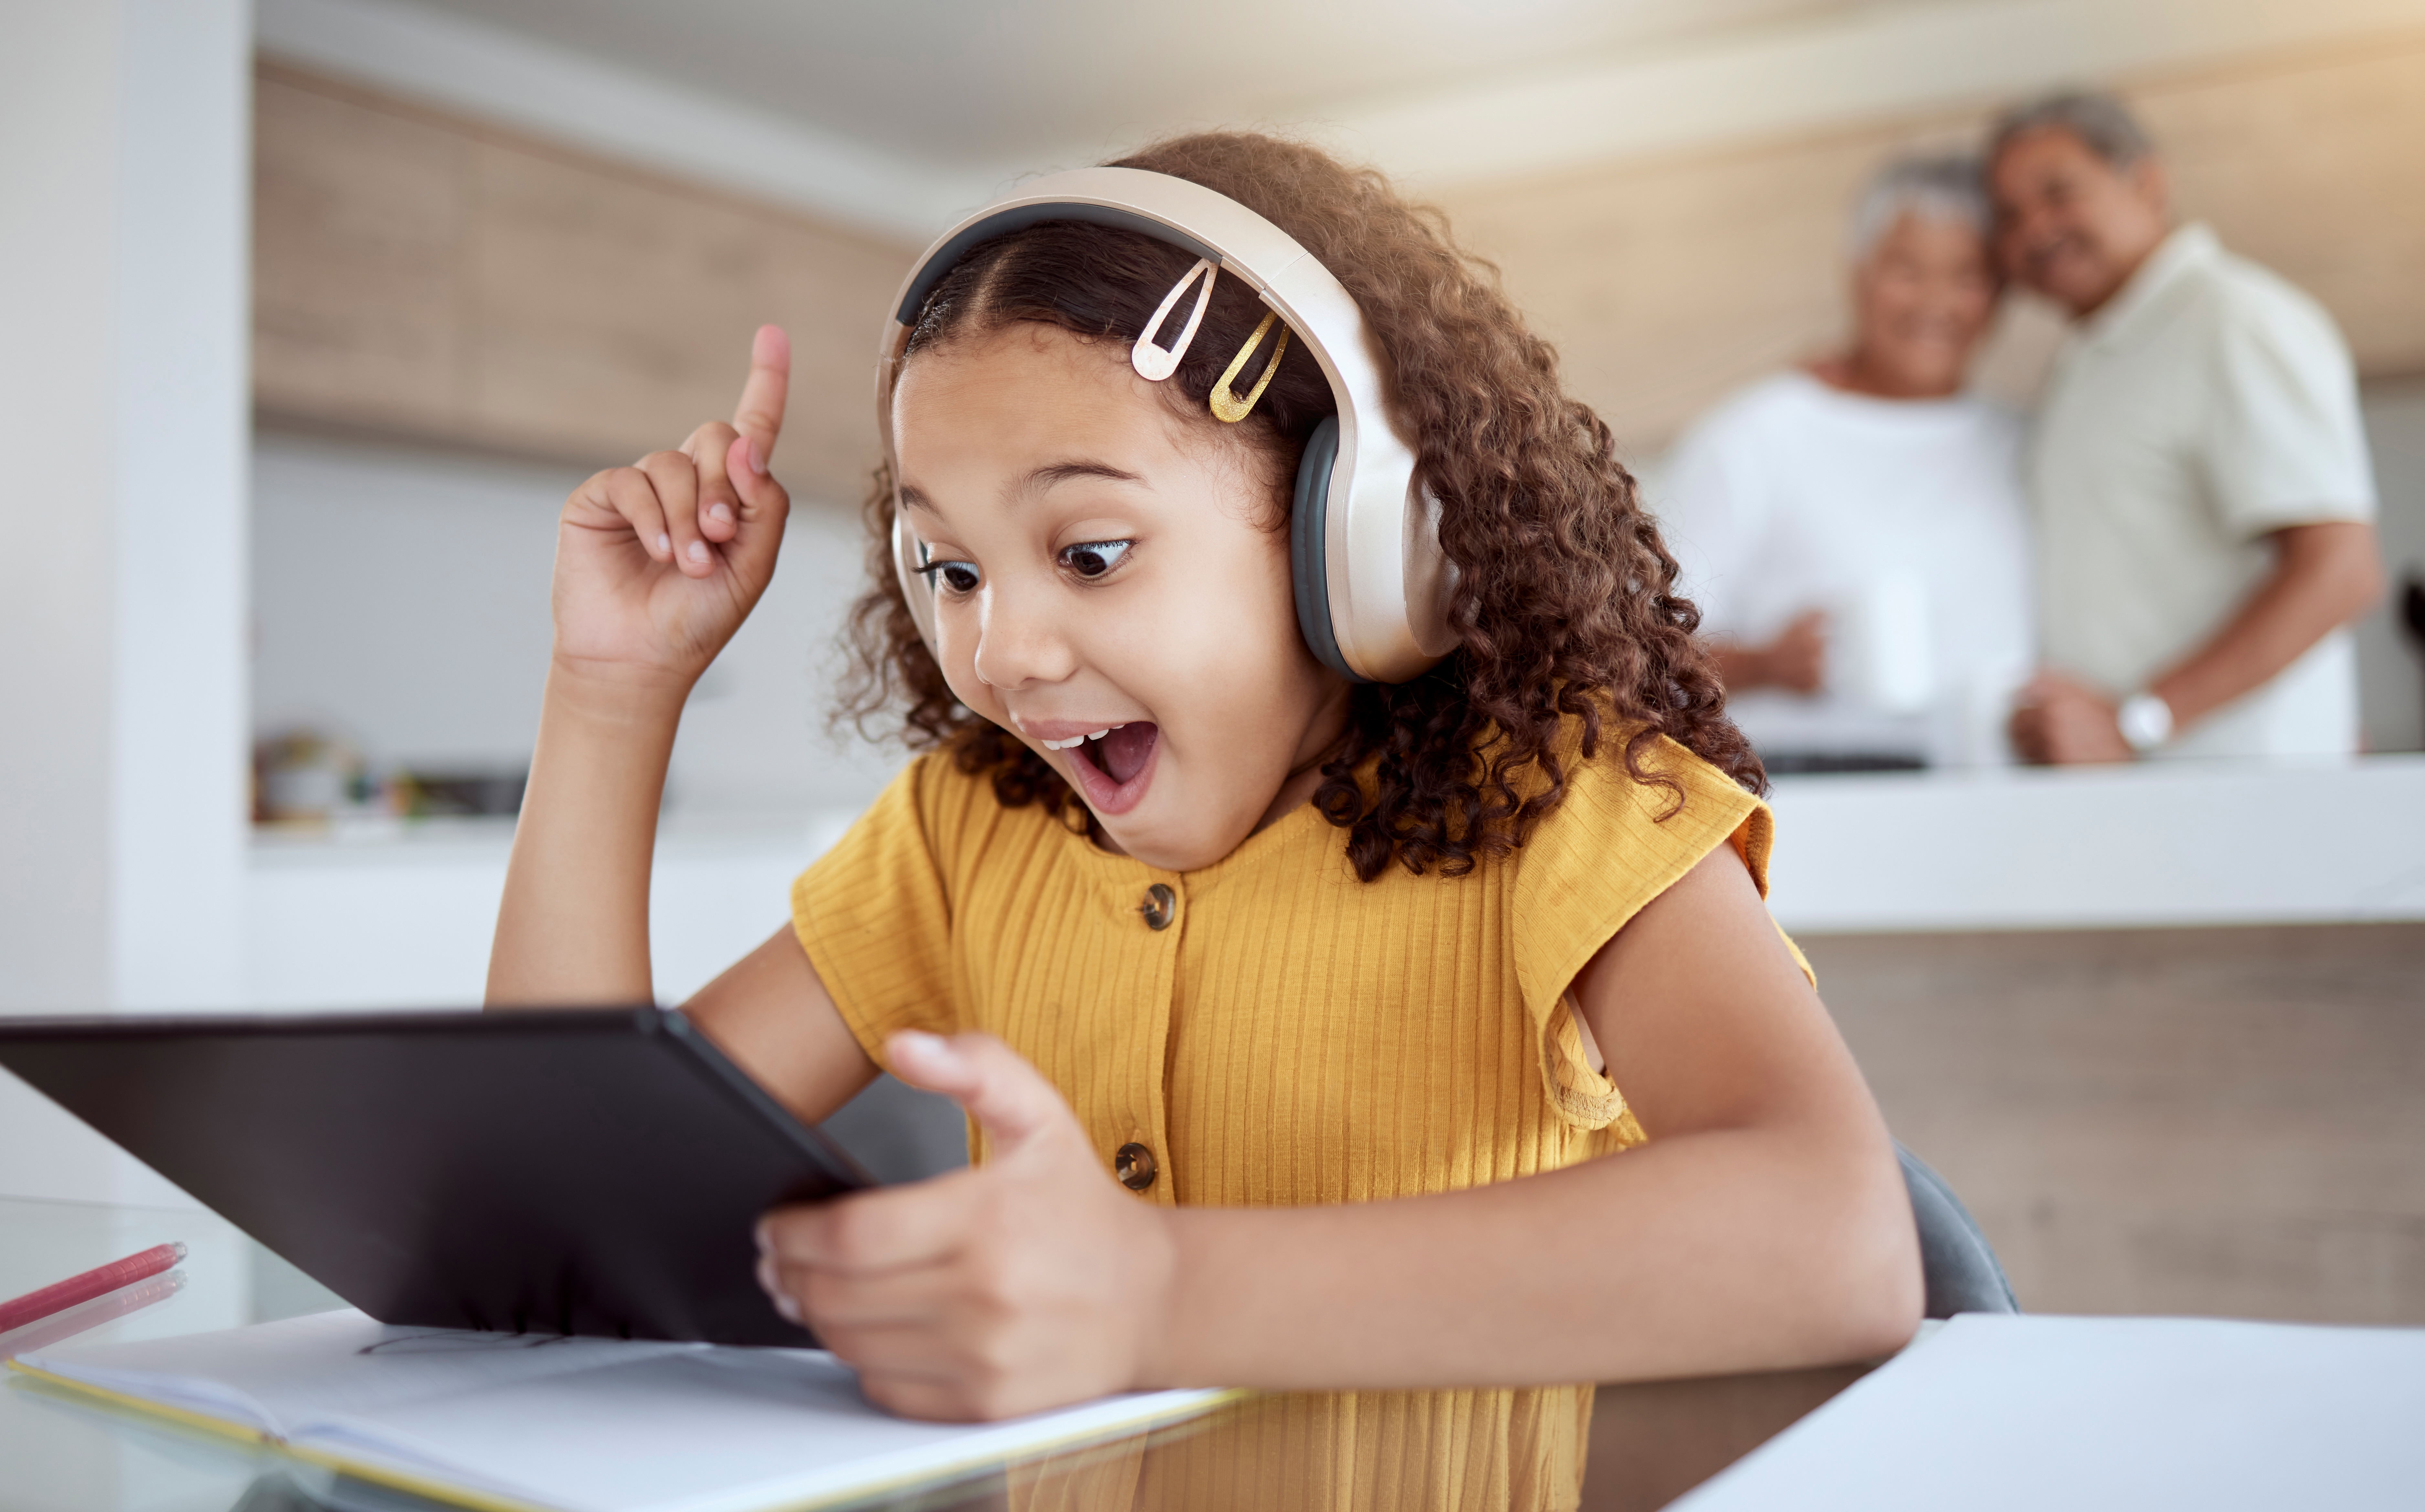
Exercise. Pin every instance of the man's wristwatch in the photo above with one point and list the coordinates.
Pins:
(2145, 721)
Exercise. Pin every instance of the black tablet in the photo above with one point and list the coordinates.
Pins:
(589, 1172)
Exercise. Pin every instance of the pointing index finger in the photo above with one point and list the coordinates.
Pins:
(759, 416)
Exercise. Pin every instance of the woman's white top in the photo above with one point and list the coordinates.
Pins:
(1902, 519)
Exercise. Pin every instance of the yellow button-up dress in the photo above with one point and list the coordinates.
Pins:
(1289, 1034)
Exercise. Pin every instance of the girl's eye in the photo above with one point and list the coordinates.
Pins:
(1093, 558)
(960, 577)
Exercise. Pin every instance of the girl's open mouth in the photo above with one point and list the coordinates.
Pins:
(1113, 772)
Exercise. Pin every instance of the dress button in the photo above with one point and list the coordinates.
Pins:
(1161, 905)
(1134, 1165)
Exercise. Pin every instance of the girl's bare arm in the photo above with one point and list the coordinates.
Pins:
(1764, 1225)
(657, 565)
(573, 927)
(771, 1013)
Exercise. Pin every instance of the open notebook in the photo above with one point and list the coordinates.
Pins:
(518, 1422)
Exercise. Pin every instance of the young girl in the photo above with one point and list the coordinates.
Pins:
(1293, 1015)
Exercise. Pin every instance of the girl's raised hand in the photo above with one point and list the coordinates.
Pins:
(658, 563)
(1029, 1282)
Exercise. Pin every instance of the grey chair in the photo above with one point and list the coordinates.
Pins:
(900, 1133)
(1960, 1269)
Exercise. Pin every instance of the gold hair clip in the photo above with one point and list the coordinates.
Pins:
(1154, 362)
(1226, 403)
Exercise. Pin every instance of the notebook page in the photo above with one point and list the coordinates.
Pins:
(582, 1424)
(720, 1430)
(280, 1377)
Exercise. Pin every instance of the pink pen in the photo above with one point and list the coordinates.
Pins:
(84, 1316)
(60, 1296)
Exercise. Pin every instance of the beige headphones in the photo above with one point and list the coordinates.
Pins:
(1371, 583)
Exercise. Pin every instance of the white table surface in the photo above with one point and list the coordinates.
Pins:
(2032, 1414)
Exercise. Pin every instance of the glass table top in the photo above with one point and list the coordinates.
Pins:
(61, 1452)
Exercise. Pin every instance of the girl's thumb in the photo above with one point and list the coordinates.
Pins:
(745, 465)
(1009, 1098)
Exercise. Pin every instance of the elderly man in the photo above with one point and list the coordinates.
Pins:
(2199, 475)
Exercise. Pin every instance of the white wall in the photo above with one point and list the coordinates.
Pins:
(400, 601)
(124, 165)
(59, 148)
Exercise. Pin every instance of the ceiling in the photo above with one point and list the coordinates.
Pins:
(969, 83)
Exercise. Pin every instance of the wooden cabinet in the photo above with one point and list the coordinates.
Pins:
(426, 279)
(427, 276)
(2216, 1122)
(360, 220)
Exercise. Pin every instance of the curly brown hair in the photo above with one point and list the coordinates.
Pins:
(1566, 604)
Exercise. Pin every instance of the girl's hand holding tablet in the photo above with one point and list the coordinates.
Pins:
(1020, 1284)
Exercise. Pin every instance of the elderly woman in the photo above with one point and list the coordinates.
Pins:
(1852, 529)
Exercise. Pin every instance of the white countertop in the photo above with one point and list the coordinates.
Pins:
(2169, 844)
(403, 916)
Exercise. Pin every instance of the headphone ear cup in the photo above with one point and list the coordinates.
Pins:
(1308, 547)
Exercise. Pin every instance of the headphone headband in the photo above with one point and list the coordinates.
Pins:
(1372, 585)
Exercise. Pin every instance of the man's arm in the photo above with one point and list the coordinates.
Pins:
(2324, 575)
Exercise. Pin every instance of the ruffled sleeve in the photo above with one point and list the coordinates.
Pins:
(1610, 846)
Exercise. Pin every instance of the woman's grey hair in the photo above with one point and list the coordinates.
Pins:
(2103, 124)
(1947, 187)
